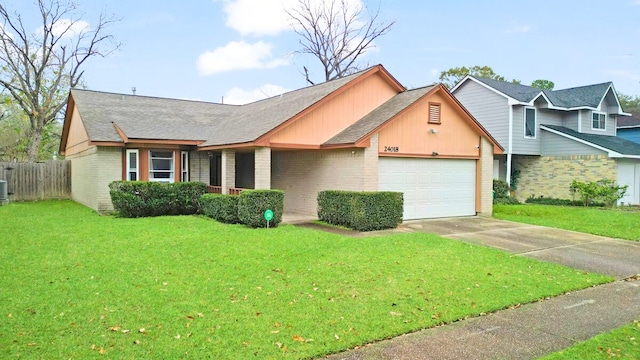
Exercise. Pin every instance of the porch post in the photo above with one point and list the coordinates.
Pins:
(228, 170)
(263, 168)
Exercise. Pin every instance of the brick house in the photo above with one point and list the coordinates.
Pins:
(363, 132)
(553, 137)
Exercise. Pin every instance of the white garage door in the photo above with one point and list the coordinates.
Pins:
(432, 188)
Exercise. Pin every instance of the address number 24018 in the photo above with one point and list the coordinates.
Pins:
(391, 149)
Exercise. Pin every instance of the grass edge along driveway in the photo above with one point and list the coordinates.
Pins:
(76, 284)
(610, 222)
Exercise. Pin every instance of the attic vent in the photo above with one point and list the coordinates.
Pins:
(434, 113)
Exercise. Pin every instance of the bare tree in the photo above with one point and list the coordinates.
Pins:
(37, 68)
(337, 32)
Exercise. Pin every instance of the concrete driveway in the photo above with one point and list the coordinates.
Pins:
(614, 257)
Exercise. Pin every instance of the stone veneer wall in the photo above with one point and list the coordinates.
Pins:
(551, 176)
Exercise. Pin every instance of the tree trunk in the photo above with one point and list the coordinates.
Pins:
(34, 145)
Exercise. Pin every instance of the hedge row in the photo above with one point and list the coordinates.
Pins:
(361, 211)
(561, 202)
(145, 198)
(247, 208)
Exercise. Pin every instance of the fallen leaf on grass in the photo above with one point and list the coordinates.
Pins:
(126, 331)
(275, 331)
(115, 328)
(142, 330)
(31, 344)
(136, 342)
(393, 313)
(298, 338)
(336, 336)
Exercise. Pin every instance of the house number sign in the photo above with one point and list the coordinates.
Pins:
(391, 149)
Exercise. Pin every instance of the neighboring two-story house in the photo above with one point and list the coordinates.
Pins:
(629, 128)
(553, 137)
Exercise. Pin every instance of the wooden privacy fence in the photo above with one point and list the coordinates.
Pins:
(37, 181)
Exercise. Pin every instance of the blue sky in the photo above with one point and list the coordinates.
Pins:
(243, 50)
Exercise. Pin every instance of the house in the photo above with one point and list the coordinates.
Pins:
(363, 132)
(553, 137)
(629, 128)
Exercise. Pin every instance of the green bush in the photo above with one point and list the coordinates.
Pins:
(506, 201)
(253, 203)
(605, 191)
(559, 202)
(223, 208)
(361, 211)
(146, 198)
(500, 189)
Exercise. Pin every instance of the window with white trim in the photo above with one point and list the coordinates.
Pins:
(530, 122)
(184, 164)
(599, 121)
(161, 164)
(132, 165)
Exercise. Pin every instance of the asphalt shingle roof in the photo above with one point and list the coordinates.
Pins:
(628, 121)
(613, 143)
(142, 117)
(590, 95)
(378, 116)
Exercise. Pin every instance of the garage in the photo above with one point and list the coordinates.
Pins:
(433, 188)
(629, 174)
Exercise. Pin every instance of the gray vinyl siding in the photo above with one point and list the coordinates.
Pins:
(570, 120)
(489, 108)
(610, 127)
(556, 145)
(523, 145)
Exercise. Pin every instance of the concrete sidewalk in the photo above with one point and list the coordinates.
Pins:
(527, 332)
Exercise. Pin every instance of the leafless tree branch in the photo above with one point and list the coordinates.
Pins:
(336, 33)
(38, 68)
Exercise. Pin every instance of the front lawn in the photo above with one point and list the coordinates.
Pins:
(79, 285)
(623, 343)
(619, 223)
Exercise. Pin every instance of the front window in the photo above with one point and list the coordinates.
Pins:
(599, 121)
(184, 163)
(161, 166)
(530, 122)
(132, 165)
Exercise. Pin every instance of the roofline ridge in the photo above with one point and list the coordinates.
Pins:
(149, 97)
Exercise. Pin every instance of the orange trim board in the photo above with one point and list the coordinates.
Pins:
(429, 156)
(67, 124)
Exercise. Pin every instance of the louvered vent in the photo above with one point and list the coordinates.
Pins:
(434, 113)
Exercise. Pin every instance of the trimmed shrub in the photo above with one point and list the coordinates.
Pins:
(361, 211)
(559, 202)
(253, 203)
(500, 189)
(146, 198)
(507, 201)
(223, 208)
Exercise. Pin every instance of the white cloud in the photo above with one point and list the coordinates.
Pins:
(238, 55)
(238, 96)
(261, 17)
(258, 17)
(65, 28)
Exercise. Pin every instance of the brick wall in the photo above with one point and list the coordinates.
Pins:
(302, 174)
(199, 166)
(262, 168)
(91, 172)
(486, 180)
(551, 176)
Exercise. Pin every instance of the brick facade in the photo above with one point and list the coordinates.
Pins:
(91, 172)
(486, 177)
(551, 176)
(302, 174)
(262, 168)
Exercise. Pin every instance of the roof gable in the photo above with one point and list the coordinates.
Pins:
(589, 96)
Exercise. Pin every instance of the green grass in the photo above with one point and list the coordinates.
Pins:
(623, 343)
(613, 222)
(75, 284)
